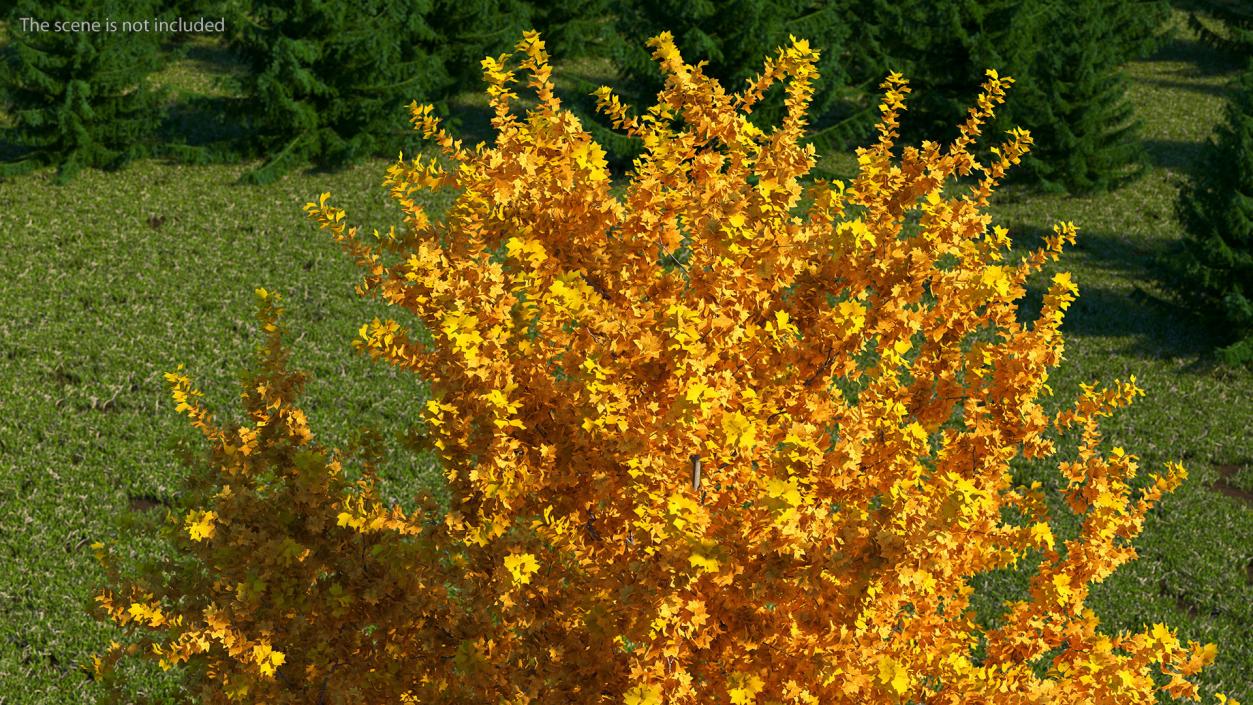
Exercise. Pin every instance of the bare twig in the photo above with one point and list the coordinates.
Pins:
(591, 517)
(821, 368)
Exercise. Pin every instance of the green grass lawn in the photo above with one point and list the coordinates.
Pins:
(112, 280)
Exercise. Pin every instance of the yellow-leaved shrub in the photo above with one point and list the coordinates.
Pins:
(732, 436)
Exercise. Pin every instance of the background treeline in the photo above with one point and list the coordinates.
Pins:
(1212, 269)
(325, 82)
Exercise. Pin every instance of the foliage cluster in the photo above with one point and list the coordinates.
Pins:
(726, 438)
(1228, 28)
(320, 86)
(731, 38)
(78, 99)
(1215, 269)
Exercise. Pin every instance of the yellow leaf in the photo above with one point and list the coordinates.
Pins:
(739, 431)
(744, 689)
(200, 525)
(893, 673)
(695, 391)
(995, 279)
(643, 695)
(521, 566)
(785, 490)
(707, 564)
(1164, 636)
(1061, 583)
(1042, 535)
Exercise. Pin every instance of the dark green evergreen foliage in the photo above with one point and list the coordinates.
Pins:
(1075, 99)
(734, 37)
(78, 99)
(1216, 209)
(1139, 26)
(944, 48)
(1234, 33)
(573, 28)
(468, 30)
(1065, 57)
(328, 80)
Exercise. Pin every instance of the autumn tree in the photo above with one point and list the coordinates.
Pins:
(731, 437)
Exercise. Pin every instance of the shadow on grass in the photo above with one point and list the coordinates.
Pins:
(1203, 88)
(1139, 257)
(1206, 61)
(470, 122)
(11, 152)
(214, 57)
(1176, 155)
(1156, 326)
(203, 122)
(1235, 480)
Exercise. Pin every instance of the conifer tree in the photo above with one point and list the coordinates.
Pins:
(1065, 56)
(78, 99)
(573, 27)
(1138, 26)
(944, 47)
(327, 79)
(1235, 19)
(1216, 209)
(320, 85)
(1075, 104)
(468, 30)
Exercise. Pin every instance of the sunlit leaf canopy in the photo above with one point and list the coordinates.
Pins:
(736, 435)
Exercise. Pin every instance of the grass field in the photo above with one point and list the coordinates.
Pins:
(112, 280)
